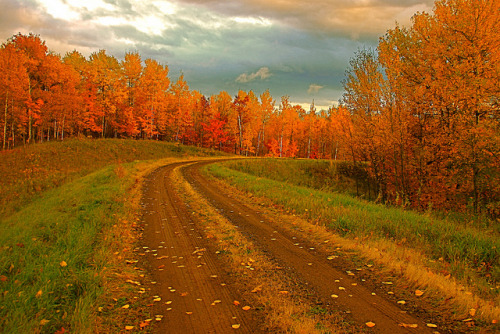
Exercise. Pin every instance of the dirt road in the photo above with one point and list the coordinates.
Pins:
(195, 294)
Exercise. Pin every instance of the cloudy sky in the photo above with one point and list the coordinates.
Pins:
(299, 48)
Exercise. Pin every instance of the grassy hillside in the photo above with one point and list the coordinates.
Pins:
(28, 171)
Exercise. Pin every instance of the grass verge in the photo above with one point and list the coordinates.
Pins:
(458, 262)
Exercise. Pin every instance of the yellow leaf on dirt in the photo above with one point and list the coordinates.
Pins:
(236, 326)
(236, 303)
(419, 293)
(126, 306)
(246, 308)
(409, 325)
(431, 325)
(129, 328)
(370, 324)
(63, 264)
(189, 313)
(39, 294)
(143, 324)
(472, 312)
(284, 292)
(335, 296)
(257, 289)
(44, 322)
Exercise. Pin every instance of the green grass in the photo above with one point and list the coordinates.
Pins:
(66, 224)
(29, 171)
(333, 176)
(472, 253)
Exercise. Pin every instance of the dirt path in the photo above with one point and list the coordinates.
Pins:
(192, 288)
(192, 279)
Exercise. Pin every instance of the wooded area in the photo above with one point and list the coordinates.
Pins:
(421, 112)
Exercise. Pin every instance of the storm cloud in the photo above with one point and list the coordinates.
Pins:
(299, 48)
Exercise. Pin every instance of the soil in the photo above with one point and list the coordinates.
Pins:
(197, 292)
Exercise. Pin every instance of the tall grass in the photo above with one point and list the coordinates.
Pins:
(28, 171)
(461, 246)
(334, 176)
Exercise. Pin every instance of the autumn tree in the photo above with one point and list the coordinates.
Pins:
(14, 85)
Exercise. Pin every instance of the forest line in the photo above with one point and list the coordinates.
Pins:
(420, 113)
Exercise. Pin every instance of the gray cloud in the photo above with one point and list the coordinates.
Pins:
(262, 73)
(313, 88)
(354, 18)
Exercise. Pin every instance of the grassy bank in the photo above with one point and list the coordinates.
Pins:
(29, 171)
(53, 254)
(333, 176)
(469, 255)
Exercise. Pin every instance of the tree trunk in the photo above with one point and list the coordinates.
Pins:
(5, 120)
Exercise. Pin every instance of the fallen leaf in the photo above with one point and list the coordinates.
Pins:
(236, 326)
(419, 293)
(38, 294)
(472, 312)
(257, 289)
(246, 308)
(189, 313)
(409, 325)
(370, 324)
(283, 292)
(236, 303)
(402, 302)
(63, 264)
(335, 296)
(126, 306)
(184, 294)
(143, 324)
(431, 325)
(341, 288)
(3, 278)
(129, 328)
(44, 322)
(157, 299)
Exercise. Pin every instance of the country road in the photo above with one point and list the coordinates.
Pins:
(195, 292)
